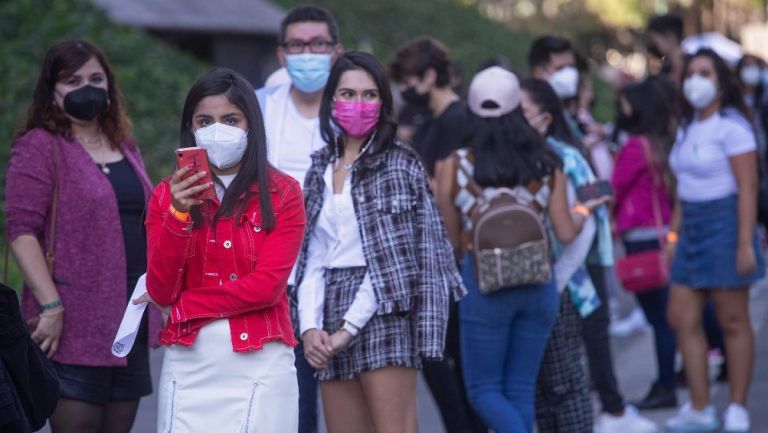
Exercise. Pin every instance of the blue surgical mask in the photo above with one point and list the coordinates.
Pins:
(308, 71)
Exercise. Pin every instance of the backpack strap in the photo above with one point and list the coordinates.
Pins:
(470, 193)
(468, 189)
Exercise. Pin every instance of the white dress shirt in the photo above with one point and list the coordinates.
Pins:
(291, 137)
(335, 243)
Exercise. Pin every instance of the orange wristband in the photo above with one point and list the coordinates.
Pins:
(672, 237)
(181, 216)
(581, 209)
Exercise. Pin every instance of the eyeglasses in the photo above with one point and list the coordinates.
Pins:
(317, 46)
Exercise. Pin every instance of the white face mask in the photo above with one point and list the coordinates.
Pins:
(565, 82)
(699, 91)
(225, 144)
(751, 75)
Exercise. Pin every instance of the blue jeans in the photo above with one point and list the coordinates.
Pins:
(654, 305)
(503, 336)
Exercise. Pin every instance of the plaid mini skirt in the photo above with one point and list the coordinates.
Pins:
(387, 340)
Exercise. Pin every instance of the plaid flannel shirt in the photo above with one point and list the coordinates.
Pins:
(409, 256)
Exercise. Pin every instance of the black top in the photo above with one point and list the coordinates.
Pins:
(438, 137)
(132, 205)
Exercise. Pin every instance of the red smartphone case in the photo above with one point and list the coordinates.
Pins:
(198, 158)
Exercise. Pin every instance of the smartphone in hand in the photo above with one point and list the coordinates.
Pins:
(598, 189)
(196, 157)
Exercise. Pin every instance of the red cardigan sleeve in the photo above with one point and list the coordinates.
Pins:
(168, 243)
(265, 286)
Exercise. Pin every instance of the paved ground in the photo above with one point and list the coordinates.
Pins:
(635, 366)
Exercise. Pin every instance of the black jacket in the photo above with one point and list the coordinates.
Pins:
(29, 386)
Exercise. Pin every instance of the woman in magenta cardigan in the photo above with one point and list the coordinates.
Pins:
(78, 140)
(646, 115)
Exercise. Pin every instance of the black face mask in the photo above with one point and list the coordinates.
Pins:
(411, 97)
(86, 102)
(654, 51)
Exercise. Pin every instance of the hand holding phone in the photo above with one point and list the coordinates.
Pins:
(601, 188)
(192, 182)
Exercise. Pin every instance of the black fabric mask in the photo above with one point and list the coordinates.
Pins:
(654, 51)
(86, 102)
(411, 97)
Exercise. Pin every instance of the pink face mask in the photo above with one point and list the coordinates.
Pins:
(357, 119)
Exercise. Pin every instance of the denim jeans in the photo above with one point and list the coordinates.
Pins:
(503, 336)
(654, 305)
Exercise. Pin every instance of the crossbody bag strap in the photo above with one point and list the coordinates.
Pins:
(654, 194)
(7, 253)
(472, 187)
(49, 254)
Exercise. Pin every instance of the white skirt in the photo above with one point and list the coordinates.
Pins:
(210, 388)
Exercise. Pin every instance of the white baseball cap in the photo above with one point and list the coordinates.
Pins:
(494, 92)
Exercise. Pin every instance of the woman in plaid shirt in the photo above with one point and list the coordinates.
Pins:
(376, 269)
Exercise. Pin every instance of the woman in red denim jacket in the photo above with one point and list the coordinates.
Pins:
(220, 268)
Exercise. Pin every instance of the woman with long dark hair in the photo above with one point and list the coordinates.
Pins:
(504, 333)
(646, 114)
(751, 72)
(220, 267)
(717, 256)
(562, 392)
(376, 271)
(75, 194)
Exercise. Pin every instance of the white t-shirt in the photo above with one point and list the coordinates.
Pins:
(700, 156)
(296, 142)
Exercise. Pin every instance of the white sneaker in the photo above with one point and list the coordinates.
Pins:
(634, 323)
(630, 422)
(736, 419)
(689, 419)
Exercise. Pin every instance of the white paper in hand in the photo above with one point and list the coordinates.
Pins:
(126, 334)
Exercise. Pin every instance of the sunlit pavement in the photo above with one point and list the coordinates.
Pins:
(635, 365)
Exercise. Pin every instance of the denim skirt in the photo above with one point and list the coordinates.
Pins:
(705, 257)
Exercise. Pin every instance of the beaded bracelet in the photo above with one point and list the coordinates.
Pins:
(54, 304)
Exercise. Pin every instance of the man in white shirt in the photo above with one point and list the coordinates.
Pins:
(308, 46)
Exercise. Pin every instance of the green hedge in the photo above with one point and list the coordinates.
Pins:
(153, 76)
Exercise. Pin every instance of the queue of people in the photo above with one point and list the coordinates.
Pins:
(324, 249)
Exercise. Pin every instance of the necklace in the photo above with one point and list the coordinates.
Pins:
(89, 145)
(348, 165)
